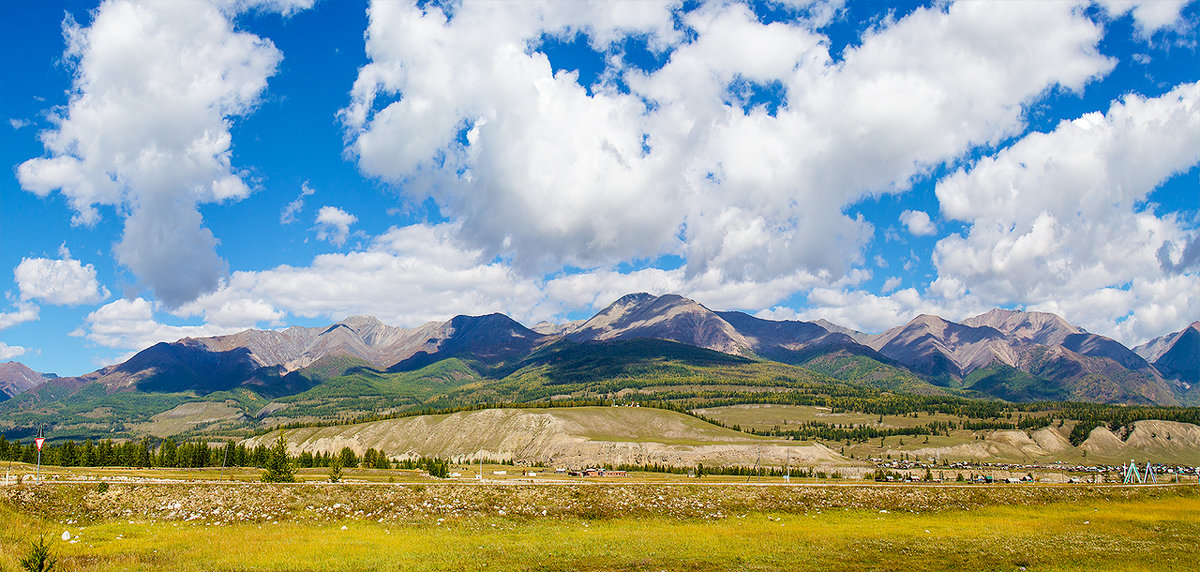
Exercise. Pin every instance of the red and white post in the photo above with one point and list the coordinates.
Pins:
(39, 440)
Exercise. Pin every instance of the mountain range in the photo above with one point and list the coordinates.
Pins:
(1013, 355)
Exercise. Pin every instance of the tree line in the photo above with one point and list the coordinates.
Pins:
(197, 454)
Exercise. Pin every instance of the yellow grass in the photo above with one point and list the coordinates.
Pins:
(1153, 531)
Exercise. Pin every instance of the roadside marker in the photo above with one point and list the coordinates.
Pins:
(39, 440)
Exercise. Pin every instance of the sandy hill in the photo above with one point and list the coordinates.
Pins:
(572, 437)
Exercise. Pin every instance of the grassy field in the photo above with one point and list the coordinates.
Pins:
(602, 527)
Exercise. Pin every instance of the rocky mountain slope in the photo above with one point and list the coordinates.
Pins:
(489, 340)
(1175, 355)
(670, 317)
(675, 318)
(16, 378)
(1022, 356)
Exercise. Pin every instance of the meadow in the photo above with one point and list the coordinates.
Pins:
(601, 526)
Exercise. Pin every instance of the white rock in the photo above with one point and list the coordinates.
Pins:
(66, 535)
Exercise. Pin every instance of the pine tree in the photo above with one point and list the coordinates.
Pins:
(335, 470)
(279, 468)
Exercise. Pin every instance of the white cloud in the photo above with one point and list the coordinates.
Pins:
(1149, 15)
(405, 277)
(147, 129)
(890, 284)
(1059, 221)
(288, 215)
(918, 223)
(25, 312)
(1060, 214)
(129, 324)
(461, 109)
(62, 281)
(333, 225)
(8, 352)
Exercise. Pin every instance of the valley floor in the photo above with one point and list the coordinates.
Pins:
(602, 526)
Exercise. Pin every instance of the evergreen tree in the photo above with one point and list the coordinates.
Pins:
(348, 457)
(279, 468)
(166, 453)
(335, 470)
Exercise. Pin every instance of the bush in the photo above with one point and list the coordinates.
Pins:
(102, 488)
(38, 559)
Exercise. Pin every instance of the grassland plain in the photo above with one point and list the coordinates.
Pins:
(216, 526)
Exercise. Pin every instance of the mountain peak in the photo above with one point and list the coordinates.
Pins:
(16, 378)
(1176, 355)
(1036, 327)
(633, 299)
(489, 322)
(838, 328)
(669, 317)
(361, 322)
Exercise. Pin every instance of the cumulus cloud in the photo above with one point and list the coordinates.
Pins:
(288, 215)
(405, 277)
(62, 281)
(333, 225)
(129, 324)
(918, 223)
(1058, 221)
(24, 312)
(8, 352)
(147, 129)
(459, 105)
(1060, 213)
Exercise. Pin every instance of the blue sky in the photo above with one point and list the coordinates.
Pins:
(191, 168)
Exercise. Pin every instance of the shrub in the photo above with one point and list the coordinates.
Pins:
(38, 559)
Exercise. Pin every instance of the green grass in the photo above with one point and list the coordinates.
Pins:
(1156, 530)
